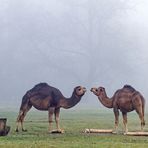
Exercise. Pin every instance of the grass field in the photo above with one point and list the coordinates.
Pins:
(74, 122)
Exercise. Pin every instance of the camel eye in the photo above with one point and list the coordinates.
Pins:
(79, 89)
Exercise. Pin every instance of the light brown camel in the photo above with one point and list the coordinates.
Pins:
(47, 98)
(126, 100)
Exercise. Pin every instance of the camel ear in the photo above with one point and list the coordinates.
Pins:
(102, 89)
(78, 87)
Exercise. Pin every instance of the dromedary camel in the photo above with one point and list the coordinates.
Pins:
(47, 98)
(126, 100)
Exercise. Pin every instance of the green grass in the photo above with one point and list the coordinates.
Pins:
(74, 122)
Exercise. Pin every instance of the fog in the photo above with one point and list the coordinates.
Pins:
(72, 42)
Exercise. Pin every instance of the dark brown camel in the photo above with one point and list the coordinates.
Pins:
(126, 100)
(47, 98)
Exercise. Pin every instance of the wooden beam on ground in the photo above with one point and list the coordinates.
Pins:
(137, 133)
(57, 132)
(98, 130)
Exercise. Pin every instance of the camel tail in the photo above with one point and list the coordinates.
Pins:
(25, 101)
(143, 106)
(143, 110)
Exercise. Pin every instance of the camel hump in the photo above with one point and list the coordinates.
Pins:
(39, 86)
(35, 90)
(129, 87)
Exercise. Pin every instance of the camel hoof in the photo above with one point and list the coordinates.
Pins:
(61, 131)
(17, 130)
(24, 130)
(125, 132)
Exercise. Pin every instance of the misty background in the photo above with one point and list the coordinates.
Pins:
(72, 42)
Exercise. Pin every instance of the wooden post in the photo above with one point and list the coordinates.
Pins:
(4, 130)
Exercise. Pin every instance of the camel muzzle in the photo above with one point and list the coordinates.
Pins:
(84, 89)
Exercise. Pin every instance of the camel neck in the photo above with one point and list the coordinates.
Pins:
(107, 102)
(70, 102)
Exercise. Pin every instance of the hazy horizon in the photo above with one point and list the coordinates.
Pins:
(71, 43)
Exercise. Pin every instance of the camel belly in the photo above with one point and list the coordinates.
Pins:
(125, 105)
(126, 109)
(43, 103)
(40, 104)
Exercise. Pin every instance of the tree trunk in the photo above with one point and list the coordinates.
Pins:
(4, 130)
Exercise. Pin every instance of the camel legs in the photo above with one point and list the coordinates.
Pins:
(20, 119)
(141, 116)
(125, 122)
(116, 113)
(57, 113)
(51, 111)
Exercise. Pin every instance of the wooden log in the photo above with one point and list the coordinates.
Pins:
(137, 133)
(4, 130)
(57, 132)
(98, 131)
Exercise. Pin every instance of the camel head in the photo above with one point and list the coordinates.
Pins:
(79, 91)
(98, 91)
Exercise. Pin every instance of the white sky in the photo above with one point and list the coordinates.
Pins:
(52, 25)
